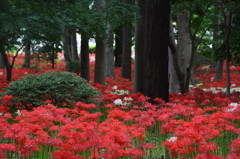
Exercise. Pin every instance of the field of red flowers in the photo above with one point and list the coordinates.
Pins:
(203, 124)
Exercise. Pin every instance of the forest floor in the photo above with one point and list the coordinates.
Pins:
(201, 124)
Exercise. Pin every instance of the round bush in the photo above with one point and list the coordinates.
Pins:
(62, 89)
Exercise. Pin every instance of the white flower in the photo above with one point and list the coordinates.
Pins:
(234, 107)
(120, 92)
(114, 87)
(172, 139)
(128, 99)
(18, 112)
(206, 67)
(191, 86)
(118, 102)
(199, 84)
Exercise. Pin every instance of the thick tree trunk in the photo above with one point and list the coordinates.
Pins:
(109, 52)
(100, 64)
(157, 35)
(27, 56)
(140, 46)
(70, 49)
(184, 44)
(85, 57)
(118, 47)
(127, 49)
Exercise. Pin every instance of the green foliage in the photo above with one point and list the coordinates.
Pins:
(62, 89)
(92, 49)
(73, 66)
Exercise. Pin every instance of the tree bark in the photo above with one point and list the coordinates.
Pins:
(219, 70)
(109, 52)
(2, 65)
(127, 49)
(27, 56)
(140, 46)
(216, 34)
(73, 38)
(118, 47)
(173, 79)
(184, 44)
(100, 63)
(175, 54)
(6, 62)
(85, 57)
(66, 47)
(227, 40)
(157, 35)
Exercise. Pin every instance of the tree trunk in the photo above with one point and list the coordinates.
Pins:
(184, 44)
(227, 40)
(66, 47)
(157, 35)
(6, 62)
(219, 70)
(216, 34)
(85, 57)
(53, 59)
(73, 38)
(127, 49)
(175, 54)
(173, 79)
(2, 65)
(118, 47)
(140, 46)
(109, 52)
(100, 63)
(27, 56)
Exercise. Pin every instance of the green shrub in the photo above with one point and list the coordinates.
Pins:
(62, 89)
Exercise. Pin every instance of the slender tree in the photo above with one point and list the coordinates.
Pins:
(27, 56)
(157, 35)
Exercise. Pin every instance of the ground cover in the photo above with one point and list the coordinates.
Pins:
(202, 124)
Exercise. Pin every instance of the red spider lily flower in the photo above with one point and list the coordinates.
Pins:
(208, 147)
(85, 106)
(208, 156)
